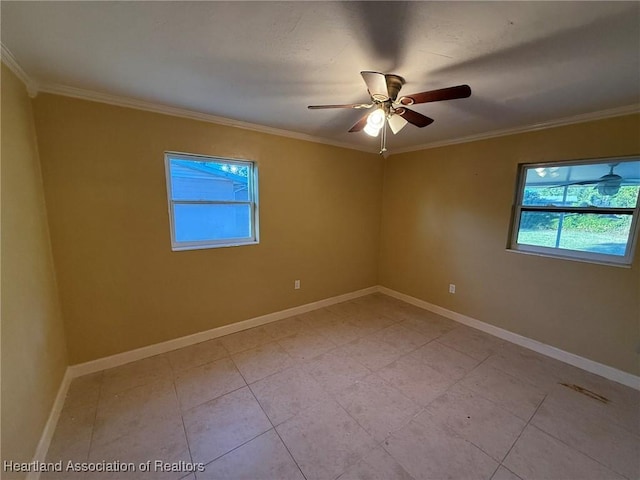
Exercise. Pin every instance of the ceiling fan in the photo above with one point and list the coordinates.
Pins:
(383, 89)
(608, 184)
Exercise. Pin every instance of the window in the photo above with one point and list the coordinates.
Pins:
(586, 210)
(213, 202)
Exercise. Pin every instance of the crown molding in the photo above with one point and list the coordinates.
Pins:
(10, 61)
(585, 117)
(33, 88)
(128, 102)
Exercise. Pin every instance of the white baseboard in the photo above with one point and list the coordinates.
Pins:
(592, 366)
(158, 348)
(100, 364)
(52, 422)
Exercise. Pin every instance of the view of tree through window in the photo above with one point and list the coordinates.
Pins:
(579, 207)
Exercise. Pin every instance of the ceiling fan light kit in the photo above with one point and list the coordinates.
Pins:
(389, 109)
(610, 184)
(375, 121)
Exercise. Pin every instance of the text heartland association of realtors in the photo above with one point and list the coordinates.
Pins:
(104, 466)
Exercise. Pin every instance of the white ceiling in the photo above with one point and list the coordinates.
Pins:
(263, 62)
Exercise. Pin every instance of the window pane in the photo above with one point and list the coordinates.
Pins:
(598, 233)
(217, 181)
(200, 222)
(598, 185)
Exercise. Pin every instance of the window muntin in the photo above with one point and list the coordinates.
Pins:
(212, 201)
(585, 210)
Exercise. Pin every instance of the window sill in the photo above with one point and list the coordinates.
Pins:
(179, 248)
(571, 259)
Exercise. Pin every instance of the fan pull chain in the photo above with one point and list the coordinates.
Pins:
(383, 138)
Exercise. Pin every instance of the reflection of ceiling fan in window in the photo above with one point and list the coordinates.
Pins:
(389, 109)
(608, 184)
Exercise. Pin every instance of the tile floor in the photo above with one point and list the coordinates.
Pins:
(368, 389)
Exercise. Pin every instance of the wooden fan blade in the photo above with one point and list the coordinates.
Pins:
(415, 118)
(377, 85)
(450, 93)
(360, 124)
(350, 105)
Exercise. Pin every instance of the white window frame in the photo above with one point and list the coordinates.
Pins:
(590, 257)
(252, 201)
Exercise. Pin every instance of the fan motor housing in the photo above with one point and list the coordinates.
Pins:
(394, 84)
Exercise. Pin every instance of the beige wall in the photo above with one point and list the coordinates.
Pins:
(33, 346)
(120, 284)
(445, 219)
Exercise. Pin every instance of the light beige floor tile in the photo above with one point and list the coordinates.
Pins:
(217, 427)
(132, 411)
(286, 393)
(537, 455)
(515, 396)
(445, 360)
(622, 408)
(371, 352)
(376, 465)
(371, 321)
(246, 340)
(325, 440)
(391, 311)
(72, 437)
(163, 441)
(206, 382)
(541, 371)
(285, 328)
(262, 361)
(411, 311)
(306, 345)
(378, 407)
(263, 458)
(616, 392)
(480, 421)
(196, 355)
(134, 374)
(335, 370)
(84, 390)
(591, 434)
(430, 451)
(341, 332)
(434, 322)
(419, 382)
(64, 474)
(382, 304)
(377, 307)
(504, 474)
(375, 301)
(471, 342)
(347, 309)
(137, 408)
(316, 318)
(429, 330)
(401, 338)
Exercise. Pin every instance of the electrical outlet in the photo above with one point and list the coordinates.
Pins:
(452, 288)
(296, 285)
